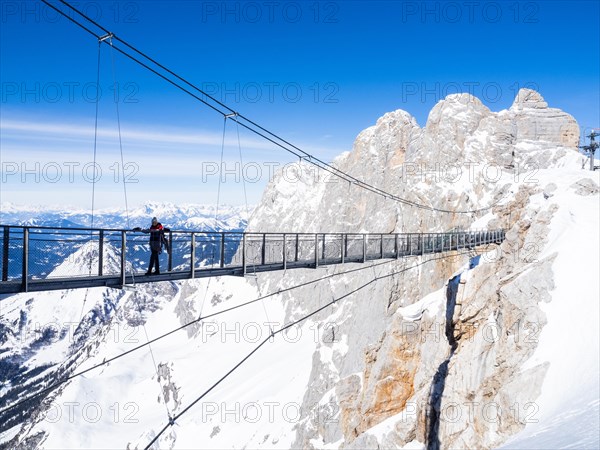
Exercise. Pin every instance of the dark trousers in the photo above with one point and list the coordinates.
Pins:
(154, 261)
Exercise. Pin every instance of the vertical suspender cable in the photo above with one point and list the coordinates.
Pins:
(234, 116)
(216, 209)
(117, 99)
(95, 145)
(220, 172)
(94, 175)
(237, 126)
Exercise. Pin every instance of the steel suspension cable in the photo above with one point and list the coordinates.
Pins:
(272, 335)
(259, 130)
(183, 327)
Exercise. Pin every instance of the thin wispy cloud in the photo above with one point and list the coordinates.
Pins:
(43, 160)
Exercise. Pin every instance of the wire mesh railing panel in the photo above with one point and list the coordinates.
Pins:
(373, 246)
(415, 244)
(333, 245)
(290, 247)
(111, 252)
(207, 253)
(306, 248)
(389, 246)
(404, 245)
(14, 262)
(254, 249)
(233, 257)
(274, 249)
(137, 254)
(61, 254)
(181, 252)
(354, 246)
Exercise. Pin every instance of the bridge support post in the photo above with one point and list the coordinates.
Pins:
(123, 259)
(364, 248)
(243, 253)
(284, 255)
(323, 248)
(297, 248)
(222, 259)
(170, 258)
(422, 244)
(396, 247)
(5, 244)
(100, 253)
(381, 246)
(316, 250)
(25, 273)
(264, 249)
(193, 256)
(344, 247)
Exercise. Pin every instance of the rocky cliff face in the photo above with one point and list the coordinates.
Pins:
(452, 375)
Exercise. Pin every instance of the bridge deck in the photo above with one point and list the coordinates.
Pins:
(43, 258)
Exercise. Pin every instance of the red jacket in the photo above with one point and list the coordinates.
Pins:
(156, 232)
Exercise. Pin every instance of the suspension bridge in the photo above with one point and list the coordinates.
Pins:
(44, 258)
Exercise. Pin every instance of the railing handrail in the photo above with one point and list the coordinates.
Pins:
(258, 233)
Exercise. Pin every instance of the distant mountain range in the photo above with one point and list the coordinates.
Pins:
(177, 217)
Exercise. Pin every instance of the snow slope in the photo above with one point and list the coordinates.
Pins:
(567, 413)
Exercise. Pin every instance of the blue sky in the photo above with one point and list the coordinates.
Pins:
(317, 73)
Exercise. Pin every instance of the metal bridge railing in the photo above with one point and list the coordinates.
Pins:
(32, 254)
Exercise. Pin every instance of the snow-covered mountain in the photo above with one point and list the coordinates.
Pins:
(455, 352)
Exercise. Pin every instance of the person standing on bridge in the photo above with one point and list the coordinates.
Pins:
(157, 240)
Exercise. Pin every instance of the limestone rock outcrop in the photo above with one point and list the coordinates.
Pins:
(385, 382)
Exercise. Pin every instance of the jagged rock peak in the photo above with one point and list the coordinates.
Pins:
(397, 116)
(458, 108)
(528, 99)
